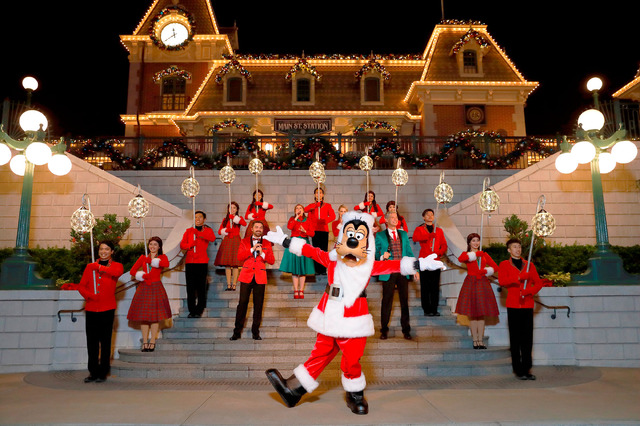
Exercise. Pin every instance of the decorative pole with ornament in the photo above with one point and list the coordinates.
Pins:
(83, 221)
(190, 189)
(443, 195)
(138, 209)
(489, 202)
(255, 167)
(400, 177)
(316, 170)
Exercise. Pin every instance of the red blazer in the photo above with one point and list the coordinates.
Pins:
(425, 238)
(231, 226)
(201, 243)
(509, 278)
(324, 217)
(152, 274)
(472, 265)
(257, 211)
(106, 281)
(366, 207)
(308, 225)
(254, 266)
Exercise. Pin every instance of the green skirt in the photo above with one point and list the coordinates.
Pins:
(297, 265)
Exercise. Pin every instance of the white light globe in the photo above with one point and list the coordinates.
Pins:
(5, 154)
(59, 165)
(591, 119)
(623, 152)
(606, 162)
(18, 164)
(583, 152)
(566, 163)
(29, 83)
(594, 84)
(31, 120)
(38, 153)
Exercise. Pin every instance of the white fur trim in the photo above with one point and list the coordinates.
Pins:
(155, 262)
(308, 383)
(472, 256)
(361, 206)
(407, 265)
(224, 232)
(354, 385)
(490, 271)
(139, 275)
(352, 279)
(333, 322)
(265, 205)
(236, 219)
(333, 255)
(295, 247)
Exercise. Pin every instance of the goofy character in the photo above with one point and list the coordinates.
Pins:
(342, 319)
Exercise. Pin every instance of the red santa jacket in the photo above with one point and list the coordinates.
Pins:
(376, 212)
(254, 266)
(201, 243)
(230, 226)
(323, 213)
(106, 282)
(257, 211)
(425, 238)
(513, 280)
(151, 268)
(308, 225)
(471, 259)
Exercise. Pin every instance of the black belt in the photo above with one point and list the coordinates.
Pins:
(334, 292)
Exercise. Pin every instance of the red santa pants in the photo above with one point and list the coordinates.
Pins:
(327, 347)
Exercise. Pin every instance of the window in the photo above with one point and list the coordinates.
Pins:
(303, 90)
(372, 89)
(234, 89)
(173, 93)
(470, 62)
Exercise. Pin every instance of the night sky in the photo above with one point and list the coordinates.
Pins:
(73, 48)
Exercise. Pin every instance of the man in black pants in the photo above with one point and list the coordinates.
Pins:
(431, 240)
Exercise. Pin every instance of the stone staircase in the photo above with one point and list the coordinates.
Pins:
(199, 348)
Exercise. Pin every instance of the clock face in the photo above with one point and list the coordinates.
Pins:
(174, 34)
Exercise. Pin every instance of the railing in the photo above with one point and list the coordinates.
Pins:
(439, 152)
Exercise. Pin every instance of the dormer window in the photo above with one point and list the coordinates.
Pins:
(234, 90)
(303, 77)
(372, 89)
(469, 51)
(469, 62)
(372, 77)
(303, 90)
(233, 77)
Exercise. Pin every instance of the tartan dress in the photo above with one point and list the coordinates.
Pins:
(476, 298)
(150, 303)
(228, 252)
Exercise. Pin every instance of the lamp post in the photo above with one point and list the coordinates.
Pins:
(605, 267)
(19, 270)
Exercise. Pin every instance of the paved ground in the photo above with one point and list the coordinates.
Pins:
(561, 395)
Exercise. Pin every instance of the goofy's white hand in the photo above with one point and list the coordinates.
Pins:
(430, 263)
(277, 237)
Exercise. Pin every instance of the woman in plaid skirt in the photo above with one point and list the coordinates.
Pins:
(228, 252)
(301, 226)
(476, 299)
(150, 304)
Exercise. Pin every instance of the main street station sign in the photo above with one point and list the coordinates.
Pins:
(302, 126)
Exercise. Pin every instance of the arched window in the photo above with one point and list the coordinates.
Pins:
(174, 93)
(470, 61)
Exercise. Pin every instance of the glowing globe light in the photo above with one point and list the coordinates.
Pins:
(489, 201)
(31, 120)
(18, 164)
(321, 178)
(38, 153)
(227, 175)
(82, 220)
(544, 224)
(190, 187)
(400, 177)
(606, 162)
(566, 163)
(138, 207)
(623, 152)
(255, 166)
(594, 84)
(583, 152)
(59, 165)
(316, 169)
(365, 163)
(29, 83)
(5, 154)
(443, 193)
(591, 120)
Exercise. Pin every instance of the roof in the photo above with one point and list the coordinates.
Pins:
(200, 10)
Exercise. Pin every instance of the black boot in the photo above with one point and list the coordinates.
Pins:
(357, 403)
(290, 390)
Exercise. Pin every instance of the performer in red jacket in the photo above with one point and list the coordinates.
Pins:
(99, 309)
(257, 210)
(301, 226)
(196, 242)
(430, 242)
(369, 205)
(324, 215)
(254, 253)
(341, 318)
(512, 274)
(227, 255)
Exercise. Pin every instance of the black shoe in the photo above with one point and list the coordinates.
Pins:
(436, 314)
(522, 377)
(90, 379)
(383, 335)
(290, 390)
(530, 376)
(357, 403)
(191, 316)
(257, 337)
(197, 316)
(101, 379)
(407, 336)
(235, 336)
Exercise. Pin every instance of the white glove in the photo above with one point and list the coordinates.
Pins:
(430, 263)
(139, 275)
(265, 205)
(276, 237)
(155, 262)
(250, 216)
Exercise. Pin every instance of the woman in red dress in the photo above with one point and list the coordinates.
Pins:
(257, 211)
(301, 226)
(227, 255)
(476, 299)
(369, 205)
(150, 304)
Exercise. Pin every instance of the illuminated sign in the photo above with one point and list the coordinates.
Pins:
(302, 126)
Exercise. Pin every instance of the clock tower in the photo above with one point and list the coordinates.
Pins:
(170, 55)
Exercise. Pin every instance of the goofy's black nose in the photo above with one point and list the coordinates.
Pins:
(352, 243)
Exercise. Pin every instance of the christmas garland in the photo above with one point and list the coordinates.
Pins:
(303, 66)
(304, 153)
(166, 11)
(375, 125)
(336, 56)
(373, 65)
(171, 71)
(234, 64)
(228, 123)
(471, 34)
